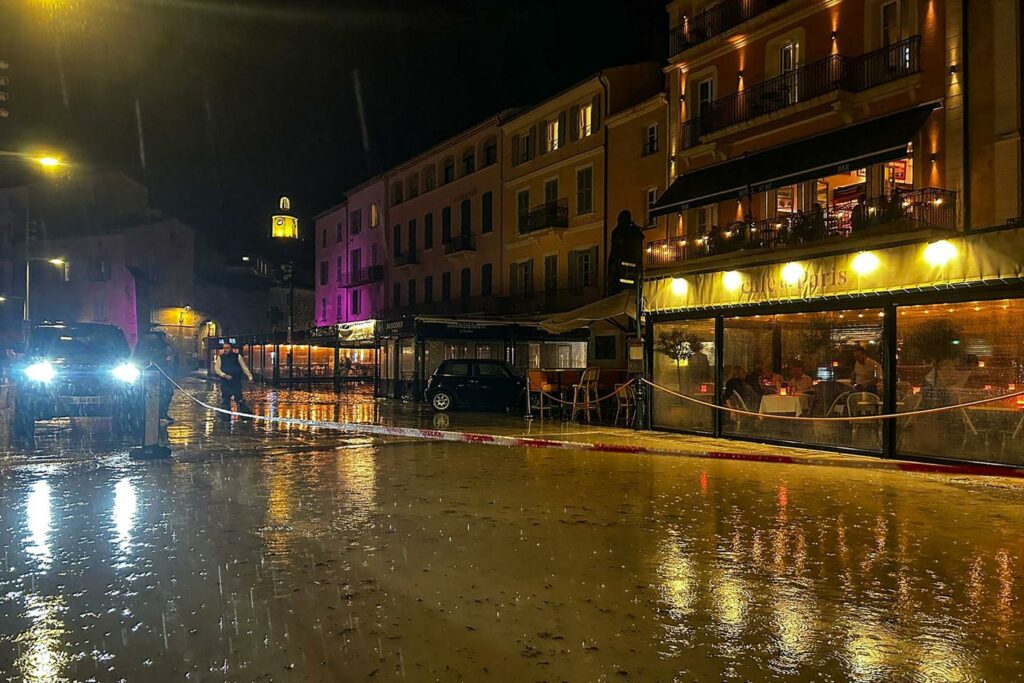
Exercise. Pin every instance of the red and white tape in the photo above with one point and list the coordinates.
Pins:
(628, 449)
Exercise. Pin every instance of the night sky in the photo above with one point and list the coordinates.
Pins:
(244, 101)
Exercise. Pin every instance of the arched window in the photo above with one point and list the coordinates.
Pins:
(468, 161)
(285, 204)
(448, 171)
(489, 152)
(429, 178)
(412, 185)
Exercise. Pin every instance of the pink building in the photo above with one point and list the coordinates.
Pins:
(350, 257)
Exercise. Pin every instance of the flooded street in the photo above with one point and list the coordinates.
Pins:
(317, 557)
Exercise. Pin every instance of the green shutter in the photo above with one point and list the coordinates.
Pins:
(543, 137)
(515, 150)
(561, 129)
(594, 267)
(574, 123)
(596, 116)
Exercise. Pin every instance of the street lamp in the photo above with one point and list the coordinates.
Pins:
(59, 262)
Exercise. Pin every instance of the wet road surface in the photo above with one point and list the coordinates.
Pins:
(280, 554)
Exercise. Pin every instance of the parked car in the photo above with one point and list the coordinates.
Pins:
(78, 370)
(470, 383)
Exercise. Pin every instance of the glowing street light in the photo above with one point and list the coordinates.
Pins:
(49, 162)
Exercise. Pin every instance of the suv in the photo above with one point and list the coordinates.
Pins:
(475, 383)
(78, 370)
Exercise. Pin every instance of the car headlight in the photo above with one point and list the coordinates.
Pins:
(43, 371)
(126, 372)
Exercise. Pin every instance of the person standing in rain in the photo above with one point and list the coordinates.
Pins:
(230, 367)
(154, 349)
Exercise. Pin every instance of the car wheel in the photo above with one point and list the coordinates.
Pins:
(442, 401)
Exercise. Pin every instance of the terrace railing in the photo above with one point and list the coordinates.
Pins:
(361, 276)
(548, 215)
(714, 21)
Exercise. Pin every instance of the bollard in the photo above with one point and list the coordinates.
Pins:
(151, 448)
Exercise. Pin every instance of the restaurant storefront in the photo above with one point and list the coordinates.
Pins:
(933, 323)
(336, 354)
(411, 348)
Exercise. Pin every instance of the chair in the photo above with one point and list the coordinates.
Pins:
(625, 403)
(736, 401)
(970, 431)
(907, 403)
(861, 403)
(1010, 438)
(584, 394)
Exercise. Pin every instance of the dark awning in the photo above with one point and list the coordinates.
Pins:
(853, 147)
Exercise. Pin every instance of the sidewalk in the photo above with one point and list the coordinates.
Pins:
(480, 428)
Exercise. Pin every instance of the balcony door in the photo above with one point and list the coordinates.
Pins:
(551, 192)
(789, 63)
(895, 24)
(705, 98)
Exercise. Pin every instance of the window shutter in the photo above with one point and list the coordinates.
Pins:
(531, 148)
(561, 129)
(513, 286)
(596, 120)
(515, 150)
(543, 138)
(573, 282)
(529, 277)
(593, 267)
(574, 124)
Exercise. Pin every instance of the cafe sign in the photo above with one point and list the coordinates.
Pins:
(990, 257)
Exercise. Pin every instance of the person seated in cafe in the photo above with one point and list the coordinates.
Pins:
(826, 392)
(817, 220)
(894, 209)
(859, 217)
(867, 372)
(763, 380)
(799, 381)
(737, 385)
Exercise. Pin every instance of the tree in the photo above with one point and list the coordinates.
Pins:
(679, 346)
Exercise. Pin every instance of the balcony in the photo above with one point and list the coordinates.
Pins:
(834, 73)
(714, 21)
(472, 305)
(362, 276)
(406, 258)
(556, 301)
(549, 215)
(904, 212)
(458, 243)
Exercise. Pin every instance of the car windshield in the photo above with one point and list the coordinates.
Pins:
(79, 344)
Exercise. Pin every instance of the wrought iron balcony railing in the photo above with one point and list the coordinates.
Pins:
(549, 215)
(361, 276)
(898, 212)
(837, 72)
(406, 258)
(554, 301)
(462, 242)
(715, 20)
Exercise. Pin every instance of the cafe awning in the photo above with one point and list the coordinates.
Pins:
(840, 151)
(621, 305)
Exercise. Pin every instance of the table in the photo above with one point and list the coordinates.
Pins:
(775, 404)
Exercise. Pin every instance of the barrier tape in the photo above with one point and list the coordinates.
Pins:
(581, 404)
(627, 449)
(858, 418)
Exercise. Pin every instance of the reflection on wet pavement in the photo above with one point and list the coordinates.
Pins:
(280, 553)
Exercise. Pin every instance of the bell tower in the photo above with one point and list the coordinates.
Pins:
(284, 225)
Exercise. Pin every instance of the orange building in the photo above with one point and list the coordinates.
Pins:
(843, 232)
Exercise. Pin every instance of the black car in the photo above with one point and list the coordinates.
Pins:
(475, 384)
(78, 370)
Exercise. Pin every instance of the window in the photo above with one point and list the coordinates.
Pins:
(522, 146)
(428, 289)
(340, 227)
(705, 96)
(551, 135)
(446, 286)
(355, 222)
(396, 234)
(355, 307)
(551, 273)
(893, 18)
(465, 215)
(585, 190)
(413, 186)
(448, 172)
(456, 369)
(374, 215)
(523, 209)
(491, 370)
(466, 281)
(583, 267)
(468, 162)
(339, 307)
(446, 225)
(683, 354)
(411, 300)
(651, 139)
(551, 191)
(99, 270)
(355, 260)
(604, 347)
(650, 197)
(374, 259)
(585, 121)
(323, 273)
(521, 278)
(396, 294)
(704, 219)
(323, 309)
(428, 231)
(486, 279)
(490, 152)
(340, 270)
(412, 235)
(396, 194)
(429, 179)
(486, 212)
(788, 65)
(323, 238)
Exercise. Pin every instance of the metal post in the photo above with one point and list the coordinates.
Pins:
(889, 427)
(719, 372)
(641, 390)
(291, 305)
(151, 447)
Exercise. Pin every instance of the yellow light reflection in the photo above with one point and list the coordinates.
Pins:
(42, 657)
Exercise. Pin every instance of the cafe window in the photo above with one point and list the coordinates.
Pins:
(953, 354)
(684, 355)
(825, 365)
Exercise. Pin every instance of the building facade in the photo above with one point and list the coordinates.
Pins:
(842, 233)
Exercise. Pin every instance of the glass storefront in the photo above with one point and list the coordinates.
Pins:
(954, 354)
(684, 356)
